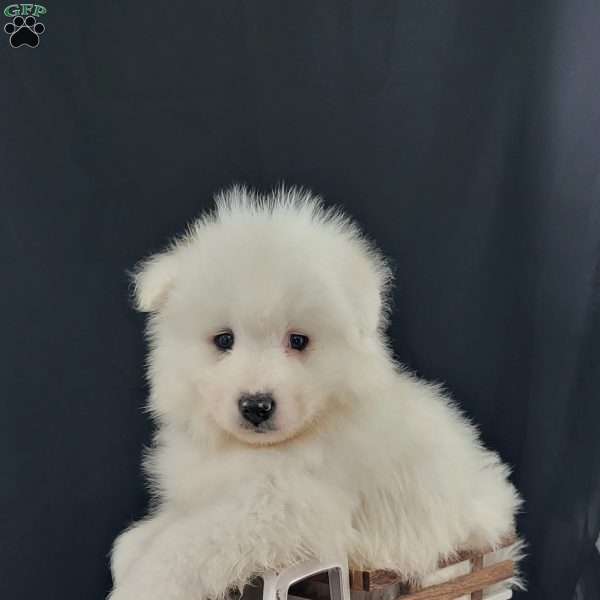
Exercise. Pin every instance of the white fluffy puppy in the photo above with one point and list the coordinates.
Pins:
(286, 430)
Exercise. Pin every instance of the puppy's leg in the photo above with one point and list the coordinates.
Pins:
(205, 555)
(132, 544)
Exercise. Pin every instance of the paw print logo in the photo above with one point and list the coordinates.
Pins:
(24, 31)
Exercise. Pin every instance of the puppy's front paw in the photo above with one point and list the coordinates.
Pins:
(157, 590)
(127, 549)
(133, 544)
(155, 577)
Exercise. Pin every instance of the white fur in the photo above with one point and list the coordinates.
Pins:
(365, 459)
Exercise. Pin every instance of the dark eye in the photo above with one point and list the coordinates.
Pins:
(224, 341)
(298, 341)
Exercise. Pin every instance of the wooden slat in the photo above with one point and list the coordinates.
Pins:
(465, 584)
(477, 565)
(379, 579)
(357, 580)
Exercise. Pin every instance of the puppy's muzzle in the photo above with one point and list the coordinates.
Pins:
(257, 408)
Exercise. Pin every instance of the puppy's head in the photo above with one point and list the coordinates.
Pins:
(261, 316)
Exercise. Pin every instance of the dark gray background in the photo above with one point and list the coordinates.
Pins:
(464, 136)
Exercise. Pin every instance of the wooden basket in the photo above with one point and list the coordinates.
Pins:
(388, 585)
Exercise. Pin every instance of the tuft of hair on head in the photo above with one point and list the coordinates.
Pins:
(290, 203)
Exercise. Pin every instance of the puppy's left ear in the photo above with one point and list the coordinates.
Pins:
(153, 278)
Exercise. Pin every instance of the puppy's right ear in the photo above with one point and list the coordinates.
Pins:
(152, 280)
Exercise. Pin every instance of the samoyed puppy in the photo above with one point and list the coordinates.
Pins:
(286, 431)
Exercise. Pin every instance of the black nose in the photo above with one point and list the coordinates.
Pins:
(256, 408)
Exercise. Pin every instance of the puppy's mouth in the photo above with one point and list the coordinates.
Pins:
(268, 433)
(261, 428)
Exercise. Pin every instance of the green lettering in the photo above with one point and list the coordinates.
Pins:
(12, 10)
(39, 10)
(26, 9)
